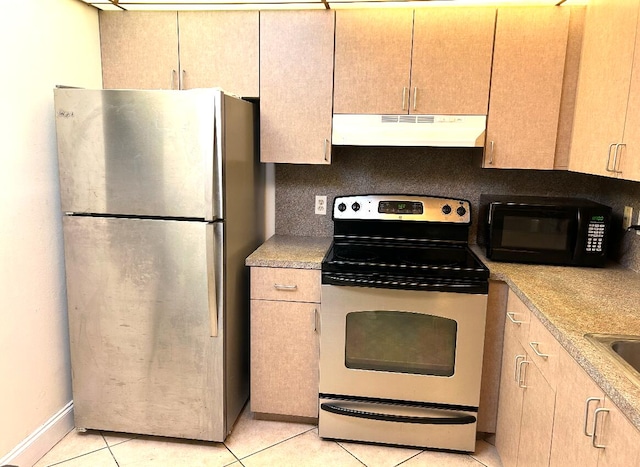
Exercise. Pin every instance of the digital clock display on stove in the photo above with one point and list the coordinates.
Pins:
(400, 207)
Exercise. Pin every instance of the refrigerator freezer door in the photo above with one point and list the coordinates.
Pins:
(140, 153)
(142, 355)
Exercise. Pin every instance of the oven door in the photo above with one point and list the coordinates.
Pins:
(402, 345)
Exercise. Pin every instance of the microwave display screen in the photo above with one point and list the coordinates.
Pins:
(547, 233)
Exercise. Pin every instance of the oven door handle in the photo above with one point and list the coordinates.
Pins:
(459, 420)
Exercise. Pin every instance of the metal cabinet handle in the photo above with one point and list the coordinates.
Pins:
(615, 158)
(285, 287)
(183, 80)
(586, 414)
(516, 374)
(415, 98)
(315, 320)
(492, 146)
(534, 346)
(326, 145)
(595, 428)
(173, 79)
(520, 376)
(511, 315)
(404, 98)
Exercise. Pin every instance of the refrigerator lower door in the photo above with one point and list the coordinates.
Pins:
(140, 304)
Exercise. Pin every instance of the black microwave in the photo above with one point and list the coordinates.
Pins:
(544, 230)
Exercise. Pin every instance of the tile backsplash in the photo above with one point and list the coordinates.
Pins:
(450, 172)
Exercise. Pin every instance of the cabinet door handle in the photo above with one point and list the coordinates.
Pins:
(415, 98)
(326, 146)
(516, 373)
(315, 320)
(611, 146)
(183, 80)
(491, 148)
(586, 414)
(173, 79)
(534, 346)
(520, 374)
(595, 428)
(290, 288)
(615, 158)
(404, 98)
(511, 315)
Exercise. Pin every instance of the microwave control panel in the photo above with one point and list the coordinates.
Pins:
(595, 235)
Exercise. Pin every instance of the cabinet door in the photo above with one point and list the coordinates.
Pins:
(372, 61)
(570, 445)
(451, 60)
(526, 87)
(139, 50)
(296, 86)
(620, 438)
(510, 400)
(630, 154)
(284, 358)
(220, 49)
(603, 83)
(537, 418)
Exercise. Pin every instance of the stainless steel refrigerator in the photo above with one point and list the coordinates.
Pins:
(160, 193)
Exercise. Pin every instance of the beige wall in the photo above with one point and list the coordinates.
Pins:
(43, 43)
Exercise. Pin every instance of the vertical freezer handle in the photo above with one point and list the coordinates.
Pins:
(214, 274)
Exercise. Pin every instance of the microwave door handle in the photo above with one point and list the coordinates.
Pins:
(458, 420)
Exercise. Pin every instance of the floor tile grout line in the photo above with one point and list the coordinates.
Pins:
(240, 459)
(76, 457)
(409, 458)
(110, 451)
(350, 453)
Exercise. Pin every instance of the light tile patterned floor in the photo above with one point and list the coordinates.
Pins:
(253, 443)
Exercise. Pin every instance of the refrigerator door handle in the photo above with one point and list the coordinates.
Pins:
(214, 274)
(214, 163)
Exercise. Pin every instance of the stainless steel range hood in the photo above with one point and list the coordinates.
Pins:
(409, 130)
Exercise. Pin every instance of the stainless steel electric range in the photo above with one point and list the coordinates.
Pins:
(402, 323)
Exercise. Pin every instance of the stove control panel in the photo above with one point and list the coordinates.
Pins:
(402, 208)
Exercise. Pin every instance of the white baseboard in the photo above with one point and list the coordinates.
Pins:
(38, 443)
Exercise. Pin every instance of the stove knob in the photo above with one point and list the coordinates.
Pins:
(342, 207)
(461, 211)
(446, 209)
(355, 206)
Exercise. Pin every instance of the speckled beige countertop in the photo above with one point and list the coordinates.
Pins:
(572, 302)
(569, 301)
(288, 251)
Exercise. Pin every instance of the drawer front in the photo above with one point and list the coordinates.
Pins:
(543, 350)
(293, 285)
(518, 318)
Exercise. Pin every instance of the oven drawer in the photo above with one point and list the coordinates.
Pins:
(293, 285)
(382, 422)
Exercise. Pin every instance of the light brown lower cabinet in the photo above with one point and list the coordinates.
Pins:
(284, 342)
(549, 408)
(526, 403)
(574, 442)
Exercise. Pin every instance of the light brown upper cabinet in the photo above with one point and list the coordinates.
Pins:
(451, 64)
(606, 132)
(296, 86)
(388, 62)
(220, 49)
(139, 50)
(169, 50)
(526, 87)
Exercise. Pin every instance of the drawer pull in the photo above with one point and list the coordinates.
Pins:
(534, 346)
(511, 315)
(290, 288)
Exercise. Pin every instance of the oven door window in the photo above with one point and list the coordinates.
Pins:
(400, 342)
